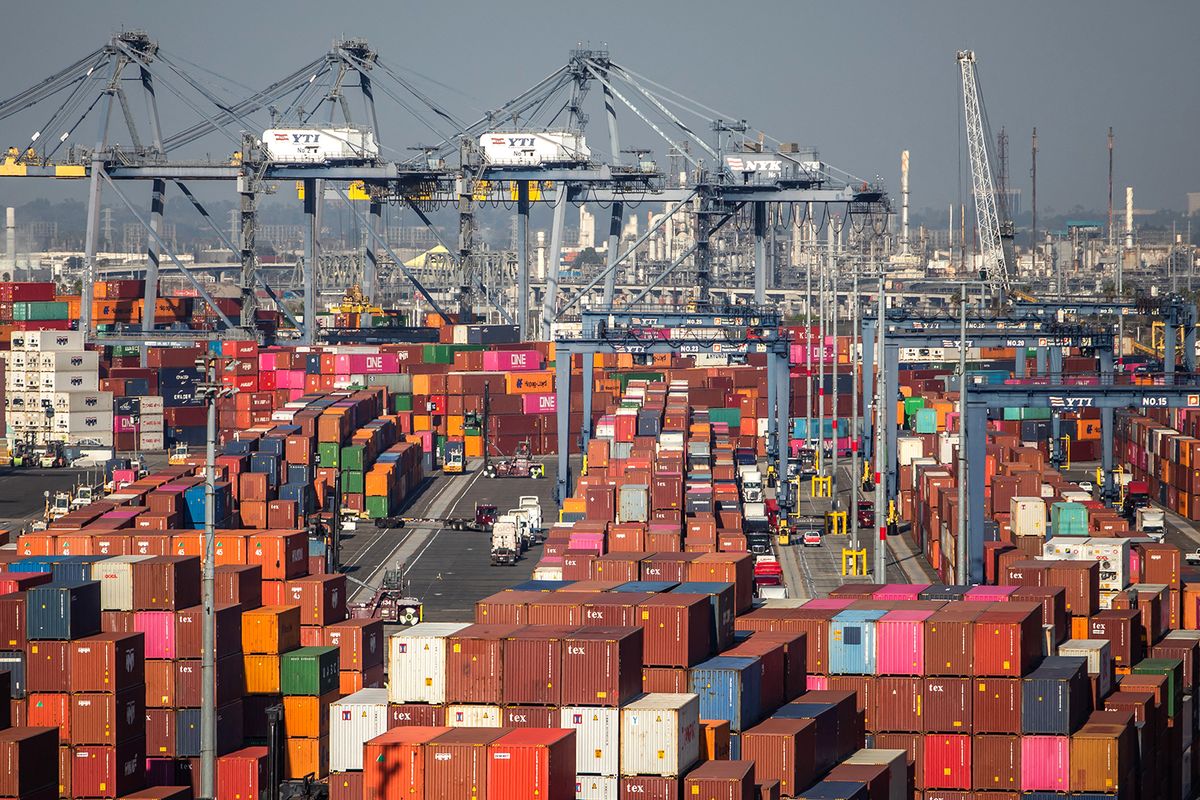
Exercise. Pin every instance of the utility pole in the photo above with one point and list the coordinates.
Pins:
(961, 550)
(880, 436)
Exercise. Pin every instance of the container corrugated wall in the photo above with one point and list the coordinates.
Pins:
(353, 720)
(597, 731)
(417, 663)
(660, 735)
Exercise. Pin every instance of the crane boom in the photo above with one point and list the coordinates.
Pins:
(987, 213)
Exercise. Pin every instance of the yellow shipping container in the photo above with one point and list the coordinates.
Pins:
(262, 674)
(421, 384)
(574, 505)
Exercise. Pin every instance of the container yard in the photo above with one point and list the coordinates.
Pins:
(764, 496)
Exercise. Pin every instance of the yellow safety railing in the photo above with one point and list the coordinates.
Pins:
(837, 523)
(854, 562)
(822, 486)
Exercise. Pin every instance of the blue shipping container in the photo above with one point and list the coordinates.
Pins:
(1056, 698)
(722, 599)
(729, 688)
(654, 587)
(852, 642)
(541, 586)
(62, 610)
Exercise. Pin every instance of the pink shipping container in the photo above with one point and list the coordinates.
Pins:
(1045, 763)
(159, 628)
(587, 542)
(990, 594)
(817, 683)
(830, 603)
(900, 643)
(511, 360)
(539, 403)
(900, 591)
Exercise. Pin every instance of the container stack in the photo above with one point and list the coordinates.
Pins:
(52, 390)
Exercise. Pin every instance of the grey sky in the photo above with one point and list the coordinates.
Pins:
(859, 80)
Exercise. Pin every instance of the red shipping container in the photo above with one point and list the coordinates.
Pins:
(667, 566)
(531, 763)
(672, 680)
(721, 780)
(615, 609)
(678, 629)
(1007, 641)
(394, 763)
(108, 662)
(25, 758)
(102, 718)
(781, 750)
(948, 761)
(456, 763)
(735, 568)
(109, 770)
(242, 775)
(897, 705)
(475, 664)
(601, 666)
(344, 786)
(48, 666)
(360, 643)
(50, 709)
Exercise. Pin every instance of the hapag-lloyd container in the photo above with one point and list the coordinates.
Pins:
(901, 642)
(355, 719)
(852, 637)
(1045, 763)
(456, 763)
(394, 763)
(417, 664)
(660, 735)
(597, 731)
(530, 763)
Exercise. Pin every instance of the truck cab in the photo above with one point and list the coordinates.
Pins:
(752, 486)
(454, 456)
(506, 542)
(806, 462)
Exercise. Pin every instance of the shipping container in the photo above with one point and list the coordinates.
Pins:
(660, 735)
(456, 763)
(722, 780)
(531, 762)
(394, 763)
(597, 731)
(355, 719)
(601, 666)
(729, 688)
(417, 662)
(781, 750)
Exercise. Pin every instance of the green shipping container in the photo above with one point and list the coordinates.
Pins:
(912, 405)
(353, 482)
(1173, 669)
(444, 353)
(1035, 413)
(730, 416)
(1068, 519)
(1011, 413)
(40, 311)
(354, 457)
(378, 506)
(309, 671)
(472, 431)
(126, 351)
(623, 378)
(328, 454)
(402, 402)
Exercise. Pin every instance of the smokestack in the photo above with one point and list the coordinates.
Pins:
(904, 202)
(10, 237)
(1129, 217)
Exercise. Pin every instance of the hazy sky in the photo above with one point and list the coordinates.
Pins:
(859, 80)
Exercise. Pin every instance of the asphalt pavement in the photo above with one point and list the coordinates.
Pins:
(22, 493)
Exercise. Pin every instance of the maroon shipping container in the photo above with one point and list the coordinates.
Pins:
(109, 770)
(847, 732)
(1187, 651)
(1054, 606)
(475, 664)
(721, 780)
(735, 568)
(950, 640)
(533, 658)
(646, 787)
(876, 777)
(160, 732)
(360, 643)
(456, 763)
(671, 567)
(12, 621)
(911, 743)
(1008, 641)
(897, 705)
(160, 684)
(239, 583)
(344, 786)
(671, 680)
(863, 687)
(947, 705)
(615, 609)
(557, 608)
(189, 631)
(996, 763)
(812, 623)
(772, 660)
(602, 666)
(322, 598)
(108, 662)
(1080, 581)
(118, 622)
(678, 629)
(530, 717)
(505, 608)
(410, 714)
(230, 681)
(48, 666)
(26, 756)
(996, 705)
(166, 582)
(795, 660)
(161, 793)
(102, 718)
(1123, 630)
(781, 750)
(623, 566)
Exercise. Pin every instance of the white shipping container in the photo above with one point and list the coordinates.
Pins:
(151, 423)
(1098, 653)
(115, 576)
(1113, 556)
(597, 787)
(65, 381)
(946, 444)
(909, 448)
(546, 573)
(660, 735)
(66, 361)
(82, 422)
(895, 760)
(472, 716)
(534, 148)
(597, 732)
(151, 404)
(1028, 516)
(80, 401)
(417, 662)
(42, 341)
(319, 145)
(151, 440)
(353, 720)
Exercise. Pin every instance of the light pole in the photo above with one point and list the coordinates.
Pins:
(211, 390)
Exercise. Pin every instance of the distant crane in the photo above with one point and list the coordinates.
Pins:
(991, 211)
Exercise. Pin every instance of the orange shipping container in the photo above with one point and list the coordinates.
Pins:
(262, 674)
(307, 717)
(394, 763)
(271, 630)
(304, 757)
(529, 382)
